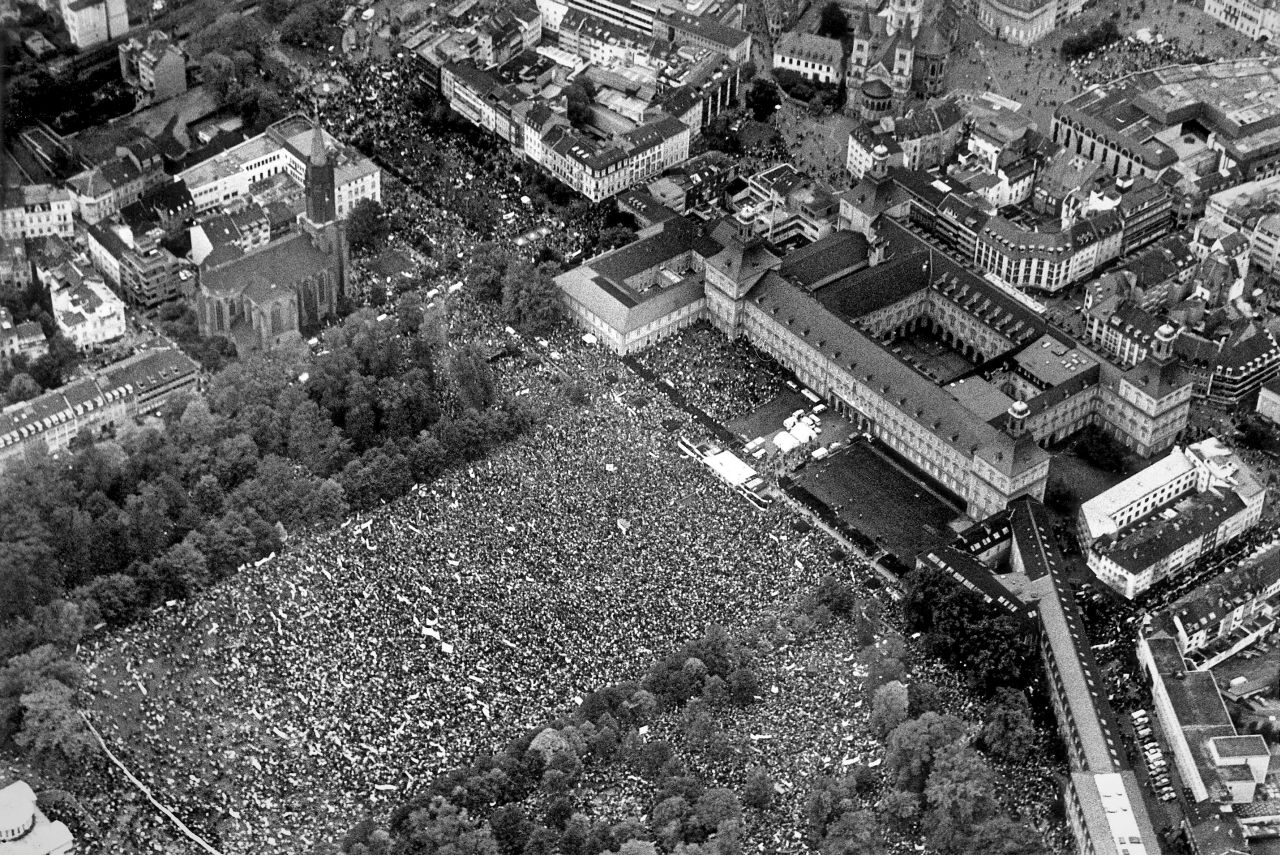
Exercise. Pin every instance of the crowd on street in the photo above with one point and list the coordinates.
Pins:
(447, 190)
(1129, 56)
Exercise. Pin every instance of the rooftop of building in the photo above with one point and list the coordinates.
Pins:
(293, 133)
(1237, 99)
(149, 369)
(1021, 242)
(644, 206)
(809, 47)
(18, 809)
(983, 398)
(1250, 745)
(138, 374)
(287, 260)
(914, 394)
(676, 237)
(707, 27)
(826, 259)
(1113, 808)
(601, 284)
(1051, 362)
(1159, 535)
(924, 120)
(1246, 347)
(32, 195)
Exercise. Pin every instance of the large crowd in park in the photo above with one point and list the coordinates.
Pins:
(331, 681)
(406, 641)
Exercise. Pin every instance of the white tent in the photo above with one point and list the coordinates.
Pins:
(803, 432)
(785, 441)
(728, 466)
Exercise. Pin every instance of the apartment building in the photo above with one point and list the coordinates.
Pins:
(35, 210)
(1230, 613)
(153, 67)
(1158, 522)
(25, 339)
(92, 22)
(100, 403)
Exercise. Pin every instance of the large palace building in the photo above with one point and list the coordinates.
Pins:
(845, 316)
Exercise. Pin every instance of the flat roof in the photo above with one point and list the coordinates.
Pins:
(1052, 361)
(981, 397)
(1099, 511)
(1159, 535)
(1252, 745)
(1115, 813)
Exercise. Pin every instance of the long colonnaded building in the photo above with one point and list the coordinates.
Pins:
(839, 314)
(1012, 562)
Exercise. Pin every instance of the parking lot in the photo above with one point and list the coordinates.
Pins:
(1155, 769)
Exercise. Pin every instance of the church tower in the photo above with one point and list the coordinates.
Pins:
(904, 16)
(321, 191)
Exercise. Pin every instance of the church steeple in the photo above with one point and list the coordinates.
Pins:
(319, 151)
(321, 189)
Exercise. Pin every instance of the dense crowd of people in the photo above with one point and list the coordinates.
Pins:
(329, 682)
(1129, 56)
(725, 379)
(449, 188)
(407, 641)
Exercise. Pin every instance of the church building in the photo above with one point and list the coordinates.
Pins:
(264, 297)
(898, 53)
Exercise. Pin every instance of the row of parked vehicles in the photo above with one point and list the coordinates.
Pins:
(1154, 757)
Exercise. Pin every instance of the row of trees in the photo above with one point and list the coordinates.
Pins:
(283, 443)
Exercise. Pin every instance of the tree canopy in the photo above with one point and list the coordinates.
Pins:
(833, 23)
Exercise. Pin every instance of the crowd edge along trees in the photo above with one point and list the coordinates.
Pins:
(283, 443)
